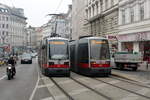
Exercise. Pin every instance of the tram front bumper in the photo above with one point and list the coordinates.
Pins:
(100, 70)
(57, 71)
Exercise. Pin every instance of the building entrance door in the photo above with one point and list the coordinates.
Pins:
(146, 56)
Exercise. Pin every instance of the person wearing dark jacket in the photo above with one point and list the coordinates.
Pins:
(12, 62)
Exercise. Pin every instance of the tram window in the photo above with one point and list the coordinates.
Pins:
(83, 53)
(72, 54)
(100, 50)
(72, 51)
(58, 50)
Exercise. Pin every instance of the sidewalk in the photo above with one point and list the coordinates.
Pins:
(141, 75)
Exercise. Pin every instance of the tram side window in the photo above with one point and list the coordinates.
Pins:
(83, 54)
(72, 54)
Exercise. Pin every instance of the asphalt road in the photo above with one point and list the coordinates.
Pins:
(23, 84)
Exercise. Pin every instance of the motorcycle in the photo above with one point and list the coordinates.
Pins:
(10, 72)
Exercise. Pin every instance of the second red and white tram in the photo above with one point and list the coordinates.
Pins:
(90, 56)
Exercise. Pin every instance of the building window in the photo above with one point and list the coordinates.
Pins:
(141, 11)
(97, 7)
(3, 18)
(6, 18)
(101, 3)
(7, 26)
(93, 10)
(112, 2)
(7, 33)
(106, 4)
(3, 25)
(123, 16)
(90, 12)
(132, 14)
(3, 33)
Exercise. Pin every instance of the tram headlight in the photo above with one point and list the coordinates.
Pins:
(51, 63)
(107, 62)
(66, 63)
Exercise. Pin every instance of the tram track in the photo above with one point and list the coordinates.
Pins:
(95, 91)
(129, 81)
(102, 81)
(61, 89)
(130, 91)
(127, 90)
(80, 83)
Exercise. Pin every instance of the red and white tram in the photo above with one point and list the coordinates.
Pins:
(54, 56)
(90, 56)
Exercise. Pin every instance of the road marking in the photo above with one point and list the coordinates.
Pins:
(134, 96)
(46, 85)
(49, 98)
(2, 77)
(33, 93)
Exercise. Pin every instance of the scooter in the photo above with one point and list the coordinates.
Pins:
(10, 72)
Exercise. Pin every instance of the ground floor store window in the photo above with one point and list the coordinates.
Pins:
(127, 46)
(146, 51)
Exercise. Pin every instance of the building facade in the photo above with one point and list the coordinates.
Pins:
(56, 26)
(31, 37)
(134, 23)
(47, 29)
(79, 19)
(12, 27)
(102, 17)
(39, 36)
(68, 29)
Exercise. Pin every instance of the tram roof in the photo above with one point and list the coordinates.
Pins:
(58, 38)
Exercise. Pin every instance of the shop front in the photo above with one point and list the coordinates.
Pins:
(136, 42)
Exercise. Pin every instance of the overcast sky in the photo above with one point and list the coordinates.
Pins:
(36, 10)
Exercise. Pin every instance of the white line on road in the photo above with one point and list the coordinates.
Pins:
(36, 86)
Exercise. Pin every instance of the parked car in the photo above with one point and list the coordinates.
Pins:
(26, 58)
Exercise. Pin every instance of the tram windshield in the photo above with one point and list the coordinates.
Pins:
(58, 50)
(100, 50)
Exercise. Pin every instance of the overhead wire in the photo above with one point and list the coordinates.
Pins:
(58, 5)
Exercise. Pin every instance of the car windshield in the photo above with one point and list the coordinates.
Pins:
(26, 56)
